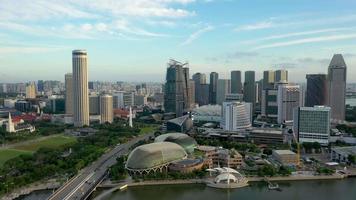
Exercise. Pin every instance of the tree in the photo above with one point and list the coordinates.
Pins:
(352, 159)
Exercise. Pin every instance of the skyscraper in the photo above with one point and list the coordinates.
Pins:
(236, 115)
(316, 93)
(80, 88)
(268, 79)
(213, 87)
(68, 79)
(281, 76)
(223, 88)
(337, 87)
(236, 84)
(249, 88)
(40, 86)
(199, 80)
(30, 91)
(176, 88)
(106, 109)
(288, 98)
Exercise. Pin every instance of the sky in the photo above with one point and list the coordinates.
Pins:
(132, 40)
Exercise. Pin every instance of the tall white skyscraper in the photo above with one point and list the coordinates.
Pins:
(106, 109)
(69, 93)
(288, 98)
(80, 88)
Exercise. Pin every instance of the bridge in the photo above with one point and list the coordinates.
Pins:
(82, 185)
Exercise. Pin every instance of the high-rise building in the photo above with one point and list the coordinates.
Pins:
(268, 79)
(140, 100)
(30, 91)
(337, 87)
(176, 88)
(68, 81)
(123, 99)
(288, 98)
(199, 80)
(91, 85)
(213, 87)
(312, 124)
(236, 84)
(191, 92)
(250, 88)
(236, 115)
(223, 88)
(316, 93)
(281, 76)
(40, 86)
(204, 94)
(269, 104)
(80, 88)
(106, 109)
(94, 104)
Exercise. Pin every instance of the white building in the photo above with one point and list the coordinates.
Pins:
(312, 124)
(288, 98)
(106, 109)
(236, 115)
(123, 99)
(31, 91)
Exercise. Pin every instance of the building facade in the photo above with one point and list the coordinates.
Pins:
(337, 87)
(312, 124)
(236, 115)
(80, 88)
(249, 88)
(281, 76)
(213, 87)
(31, 91)
(316, 93)
(106, 109)
(236, 84)
(288, 98)
(223, 88)
(68, 78)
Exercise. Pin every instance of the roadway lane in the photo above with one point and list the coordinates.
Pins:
(88, 178)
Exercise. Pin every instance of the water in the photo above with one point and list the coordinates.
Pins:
(298, 190)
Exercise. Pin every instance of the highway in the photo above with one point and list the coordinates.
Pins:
(82, 185)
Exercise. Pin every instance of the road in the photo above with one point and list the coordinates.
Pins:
(82, 185)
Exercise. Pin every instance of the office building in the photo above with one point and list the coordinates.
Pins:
(123, 99)
(191, 93)
(285, 157)
(140, 100)
(106, 109)
(281, 76)
(94, 104)
(236, 84)
(312, 124)
(236, 115)
(268, 79)
(201, 97)
(30, 91)
(176, 97)
(316, 93)
(223, 88)
(269, 104)
(337, 87)
(250, 88)
(40, 86)
(80, 88)
(68, 79)
(233, 97)
(213, 87)
(288, 98)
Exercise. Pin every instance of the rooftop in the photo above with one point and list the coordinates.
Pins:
(284, 152)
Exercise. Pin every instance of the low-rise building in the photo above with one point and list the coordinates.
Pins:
(267, 136)
(285, 157)
(342, 154)
(220, 157)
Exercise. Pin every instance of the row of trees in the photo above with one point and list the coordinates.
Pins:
(241, 147)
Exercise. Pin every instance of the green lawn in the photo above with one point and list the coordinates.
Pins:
(53, 142)
(148, 129)
(7, 154)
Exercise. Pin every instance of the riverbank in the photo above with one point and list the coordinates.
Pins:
(48, 185)
(123, 185)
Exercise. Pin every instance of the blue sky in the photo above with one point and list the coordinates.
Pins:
(132, 40)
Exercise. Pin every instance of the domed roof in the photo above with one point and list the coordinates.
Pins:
(155, 154)
(184, 140)
(225, 177)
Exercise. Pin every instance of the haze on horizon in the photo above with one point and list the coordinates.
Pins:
(130, 40)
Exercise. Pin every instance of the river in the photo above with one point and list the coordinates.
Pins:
(296, 190)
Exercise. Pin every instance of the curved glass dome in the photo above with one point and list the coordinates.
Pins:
(184, 140)
(155, 154)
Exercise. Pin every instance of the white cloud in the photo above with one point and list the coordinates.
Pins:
(308, 40)
(196, 35)
(256, 26)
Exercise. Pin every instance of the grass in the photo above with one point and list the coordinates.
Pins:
(53, 142)
(148, 129)
(7, 154)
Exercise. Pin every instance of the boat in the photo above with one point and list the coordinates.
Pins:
(272, 186)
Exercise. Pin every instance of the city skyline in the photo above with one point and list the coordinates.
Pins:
(128, 41)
